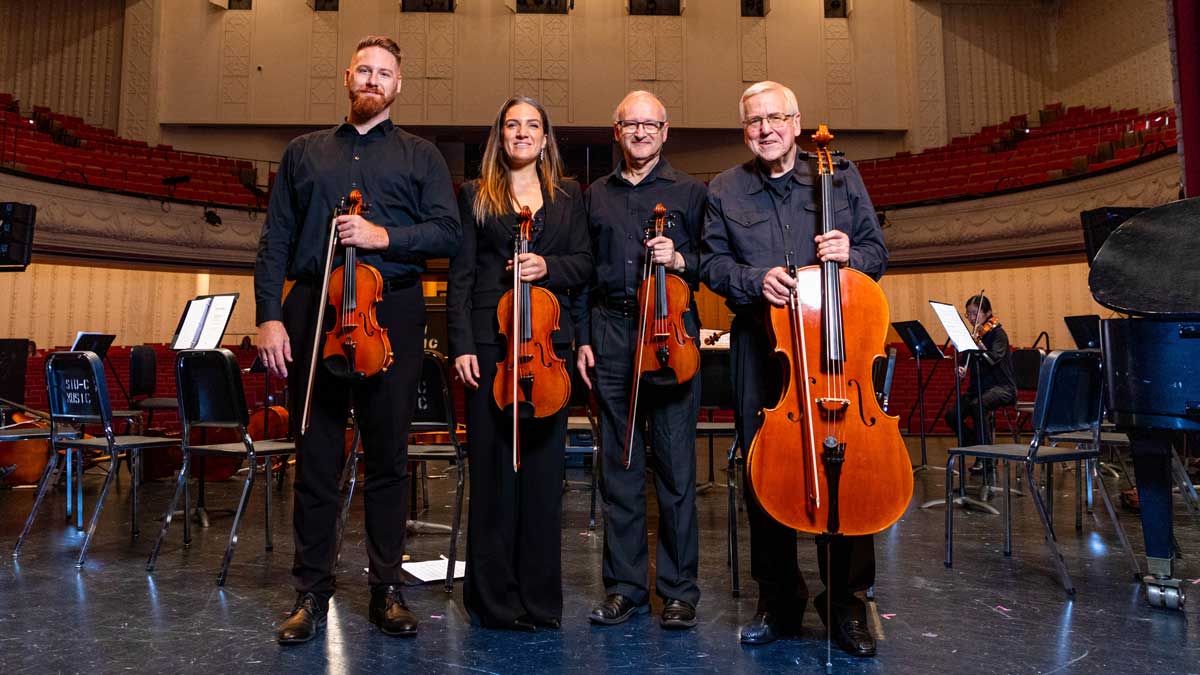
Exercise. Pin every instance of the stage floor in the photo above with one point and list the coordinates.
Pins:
(989, 614)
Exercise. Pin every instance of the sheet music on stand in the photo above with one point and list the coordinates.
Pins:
(956, 328)
(97, 343)
(204, 321)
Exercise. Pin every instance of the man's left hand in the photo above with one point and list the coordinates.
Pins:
(834, 247)
(360, 232)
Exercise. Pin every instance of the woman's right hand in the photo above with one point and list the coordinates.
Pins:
(467, 369)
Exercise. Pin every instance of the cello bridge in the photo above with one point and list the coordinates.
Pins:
(832, 405)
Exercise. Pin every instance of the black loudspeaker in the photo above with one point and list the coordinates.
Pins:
(544, 6)
(14, 356)
(836, 9)
(1099, 223)
(426, 5)
(324, 5)
(654, 7)
(16, 235)
(755, 8)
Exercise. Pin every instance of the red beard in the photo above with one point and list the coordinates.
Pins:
(364, 106)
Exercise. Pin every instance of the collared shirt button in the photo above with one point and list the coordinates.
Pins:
(356, 158)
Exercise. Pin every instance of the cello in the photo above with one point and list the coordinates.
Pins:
(531, 381)
(356, 346)
(665, 353)
(828, 459)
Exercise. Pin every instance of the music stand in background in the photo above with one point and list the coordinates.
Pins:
(920, 345)
(963, 342)
(14, 359)
(1085, 330)
(98, 344)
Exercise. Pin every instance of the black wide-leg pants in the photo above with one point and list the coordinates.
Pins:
(671, 412)
(384, 406)
(514, 528)
(773, 559)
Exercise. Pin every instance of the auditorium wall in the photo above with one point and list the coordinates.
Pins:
(55, 298)
(64, 54)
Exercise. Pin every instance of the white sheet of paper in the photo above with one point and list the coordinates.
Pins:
(434, 570)
(214, 322)
(958, 332)
(193, 320)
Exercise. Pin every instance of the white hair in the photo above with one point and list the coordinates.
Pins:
(763, 87)
(640, 93)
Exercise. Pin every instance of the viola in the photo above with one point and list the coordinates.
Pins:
(828, 459)
(356, 346)
(665, 354)
(531, 381)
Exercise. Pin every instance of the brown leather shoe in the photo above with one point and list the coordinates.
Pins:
(678, 615)
(304, 622)
(389, 612)
(616, 609)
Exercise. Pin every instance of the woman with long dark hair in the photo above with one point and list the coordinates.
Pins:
(514, 570)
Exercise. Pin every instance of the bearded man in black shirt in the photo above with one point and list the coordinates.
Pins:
(411, 216)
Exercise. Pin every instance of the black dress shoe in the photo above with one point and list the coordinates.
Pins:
(615, 609)
(302, 624)
(678, 614)
(854, 638)
(389, 612)
(767, 627)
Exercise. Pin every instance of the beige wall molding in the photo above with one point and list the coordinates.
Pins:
(94, 224)
(1032, 222)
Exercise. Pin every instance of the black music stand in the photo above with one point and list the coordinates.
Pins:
(920, 345)
(98, 343)
(963, 342)
(1085, 330)
(14, 359)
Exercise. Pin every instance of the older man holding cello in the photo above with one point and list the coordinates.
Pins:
(764, 220)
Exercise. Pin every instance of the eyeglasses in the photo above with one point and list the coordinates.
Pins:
(650, 127)
(776, 120)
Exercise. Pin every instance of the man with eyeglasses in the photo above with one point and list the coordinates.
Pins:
(762, 216)
(606, 316)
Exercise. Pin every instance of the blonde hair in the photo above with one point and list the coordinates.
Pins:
(763, 87)
(639, 93)
(494, 197)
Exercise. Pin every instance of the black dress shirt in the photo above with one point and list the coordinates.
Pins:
(750, 227)
(477, 274)
(996, 369)
(618, 213)
(407, 189)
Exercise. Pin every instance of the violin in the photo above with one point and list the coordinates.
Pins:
(665, 354)
(828, 459)
(531, 381)
(356, 346)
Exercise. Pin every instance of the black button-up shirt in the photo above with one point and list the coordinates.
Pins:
(748, 230)
(407, 189)
(618, 214)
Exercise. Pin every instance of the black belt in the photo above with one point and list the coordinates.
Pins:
(625, 306)
(399, 284)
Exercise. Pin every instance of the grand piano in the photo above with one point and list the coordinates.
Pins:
(1149, 270)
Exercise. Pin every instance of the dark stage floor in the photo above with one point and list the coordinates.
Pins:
(987, 615)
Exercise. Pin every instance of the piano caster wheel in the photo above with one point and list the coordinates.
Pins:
(1164, 593)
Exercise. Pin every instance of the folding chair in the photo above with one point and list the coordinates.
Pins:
(78, 394)
(1027, 366)
(434, 413)
(209, 386)
(1068, 400)
(143, 381)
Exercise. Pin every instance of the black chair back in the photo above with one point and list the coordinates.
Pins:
(882, 372)
(716, 379)
(143, 373)
(77, 389)
(434, 409)
(1069, 390)
(209, 386)
(1027, 367)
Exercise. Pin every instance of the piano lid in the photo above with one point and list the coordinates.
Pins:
(1150, 265)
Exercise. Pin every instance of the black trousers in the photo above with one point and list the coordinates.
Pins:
(773, 559)
(993, 398)
(671, 413)
(514, 528)
(383, 405)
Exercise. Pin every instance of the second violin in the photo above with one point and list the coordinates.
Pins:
(531, 381)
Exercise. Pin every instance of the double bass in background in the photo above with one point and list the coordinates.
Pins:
(828, 459)
(356, 346)
(665, 353)
(531, 381)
